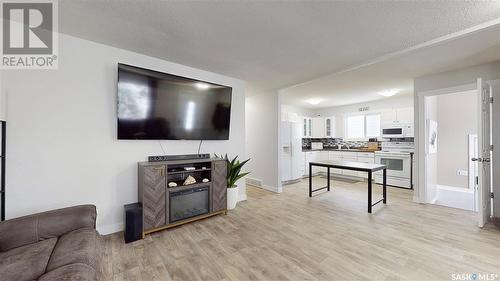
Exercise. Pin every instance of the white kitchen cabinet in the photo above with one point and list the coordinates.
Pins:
(306, 163)
(398, 115)
(335, 156)
(352, 156)
(303, 164)
(312, 156)
(318, 127)
(349, 157)
(365, 157)
(329, 127)
(306, 127)
(320, 156)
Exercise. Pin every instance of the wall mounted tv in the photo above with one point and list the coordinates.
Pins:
(158, 106)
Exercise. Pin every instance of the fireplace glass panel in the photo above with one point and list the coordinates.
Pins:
(188, 203)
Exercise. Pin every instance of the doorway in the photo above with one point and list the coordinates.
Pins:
(451, 123)
(454, 148)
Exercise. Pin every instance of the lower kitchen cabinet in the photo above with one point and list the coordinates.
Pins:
(353, 156)
(368, 161)
(335, 156)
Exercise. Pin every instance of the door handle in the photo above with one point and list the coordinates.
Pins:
(486, 160)
(161, 169)
(477, 159)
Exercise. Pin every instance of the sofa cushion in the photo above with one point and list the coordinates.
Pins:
(79, 246)
(71, 272)
(27, 262)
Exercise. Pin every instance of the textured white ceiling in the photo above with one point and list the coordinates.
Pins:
(364, 83)
(270, 44)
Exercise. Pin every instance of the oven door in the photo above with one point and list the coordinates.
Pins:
(398, 165)
(393, 132)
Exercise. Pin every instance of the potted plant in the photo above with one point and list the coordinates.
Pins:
(233, 175)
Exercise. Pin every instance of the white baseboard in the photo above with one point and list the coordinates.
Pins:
(110, 228)
(260, 184)
(454, 197)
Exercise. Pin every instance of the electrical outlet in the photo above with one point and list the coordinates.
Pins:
(462, 173)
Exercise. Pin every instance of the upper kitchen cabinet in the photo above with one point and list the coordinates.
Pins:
(306, 127)
(318, 127)
(399, 115)
(329, 127)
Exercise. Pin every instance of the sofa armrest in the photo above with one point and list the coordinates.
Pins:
(33, 228)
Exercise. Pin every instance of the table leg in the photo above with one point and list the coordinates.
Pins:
(369, 192)
(384, 186)
(328, 178)
(310, 180)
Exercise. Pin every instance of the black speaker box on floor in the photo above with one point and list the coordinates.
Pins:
(133, 222)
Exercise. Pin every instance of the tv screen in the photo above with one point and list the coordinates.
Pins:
(159, 106)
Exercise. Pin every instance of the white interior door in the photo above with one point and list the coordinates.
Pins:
(473, 168)
(484, 159)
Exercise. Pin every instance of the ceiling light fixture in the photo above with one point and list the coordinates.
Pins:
(202, 86)
(389, 93)
(314, 101)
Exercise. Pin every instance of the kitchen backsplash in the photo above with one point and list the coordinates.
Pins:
(335, 142)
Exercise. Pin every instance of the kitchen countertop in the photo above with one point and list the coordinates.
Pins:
(336, 149)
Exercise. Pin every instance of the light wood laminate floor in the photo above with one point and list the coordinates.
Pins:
(290, 236)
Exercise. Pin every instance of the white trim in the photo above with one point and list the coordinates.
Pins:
(455, 197)
(266, 187)
(279, 187)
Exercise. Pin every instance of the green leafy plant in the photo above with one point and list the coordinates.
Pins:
(234, 170)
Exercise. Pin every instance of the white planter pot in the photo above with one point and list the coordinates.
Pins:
(232, 197)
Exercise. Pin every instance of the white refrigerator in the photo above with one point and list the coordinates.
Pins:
(291, 151)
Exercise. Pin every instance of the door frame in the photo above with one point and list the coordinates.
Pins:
(420, 186)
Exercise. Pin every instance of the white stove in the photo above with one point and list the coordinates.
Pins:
(398, 156)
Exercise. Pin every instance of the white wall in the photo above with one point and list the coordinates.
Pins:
(62, 142)
(300, 111)
(457, 118)
(262, 130)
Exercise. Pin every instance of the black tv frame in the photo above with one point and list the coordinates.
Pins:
(175, 75)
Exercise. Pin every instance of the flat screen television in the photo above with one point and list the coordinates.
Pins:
(158, 106)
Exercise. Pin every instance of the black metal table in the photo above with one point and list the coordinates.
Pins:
(353, 166)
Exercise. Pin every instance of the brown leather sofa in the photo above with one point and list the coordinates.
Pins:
(55, 245)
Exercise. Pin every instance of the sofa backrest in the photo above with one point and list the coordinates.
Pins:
(33, 228)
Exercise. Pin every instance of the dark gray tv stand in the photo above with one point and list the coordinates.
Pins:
(165, 207)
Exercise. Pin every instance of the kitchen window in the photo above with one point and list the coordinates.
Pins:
(363, 126)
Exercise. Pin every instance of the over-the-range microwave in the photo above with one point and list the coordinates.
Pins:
(403, 130)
